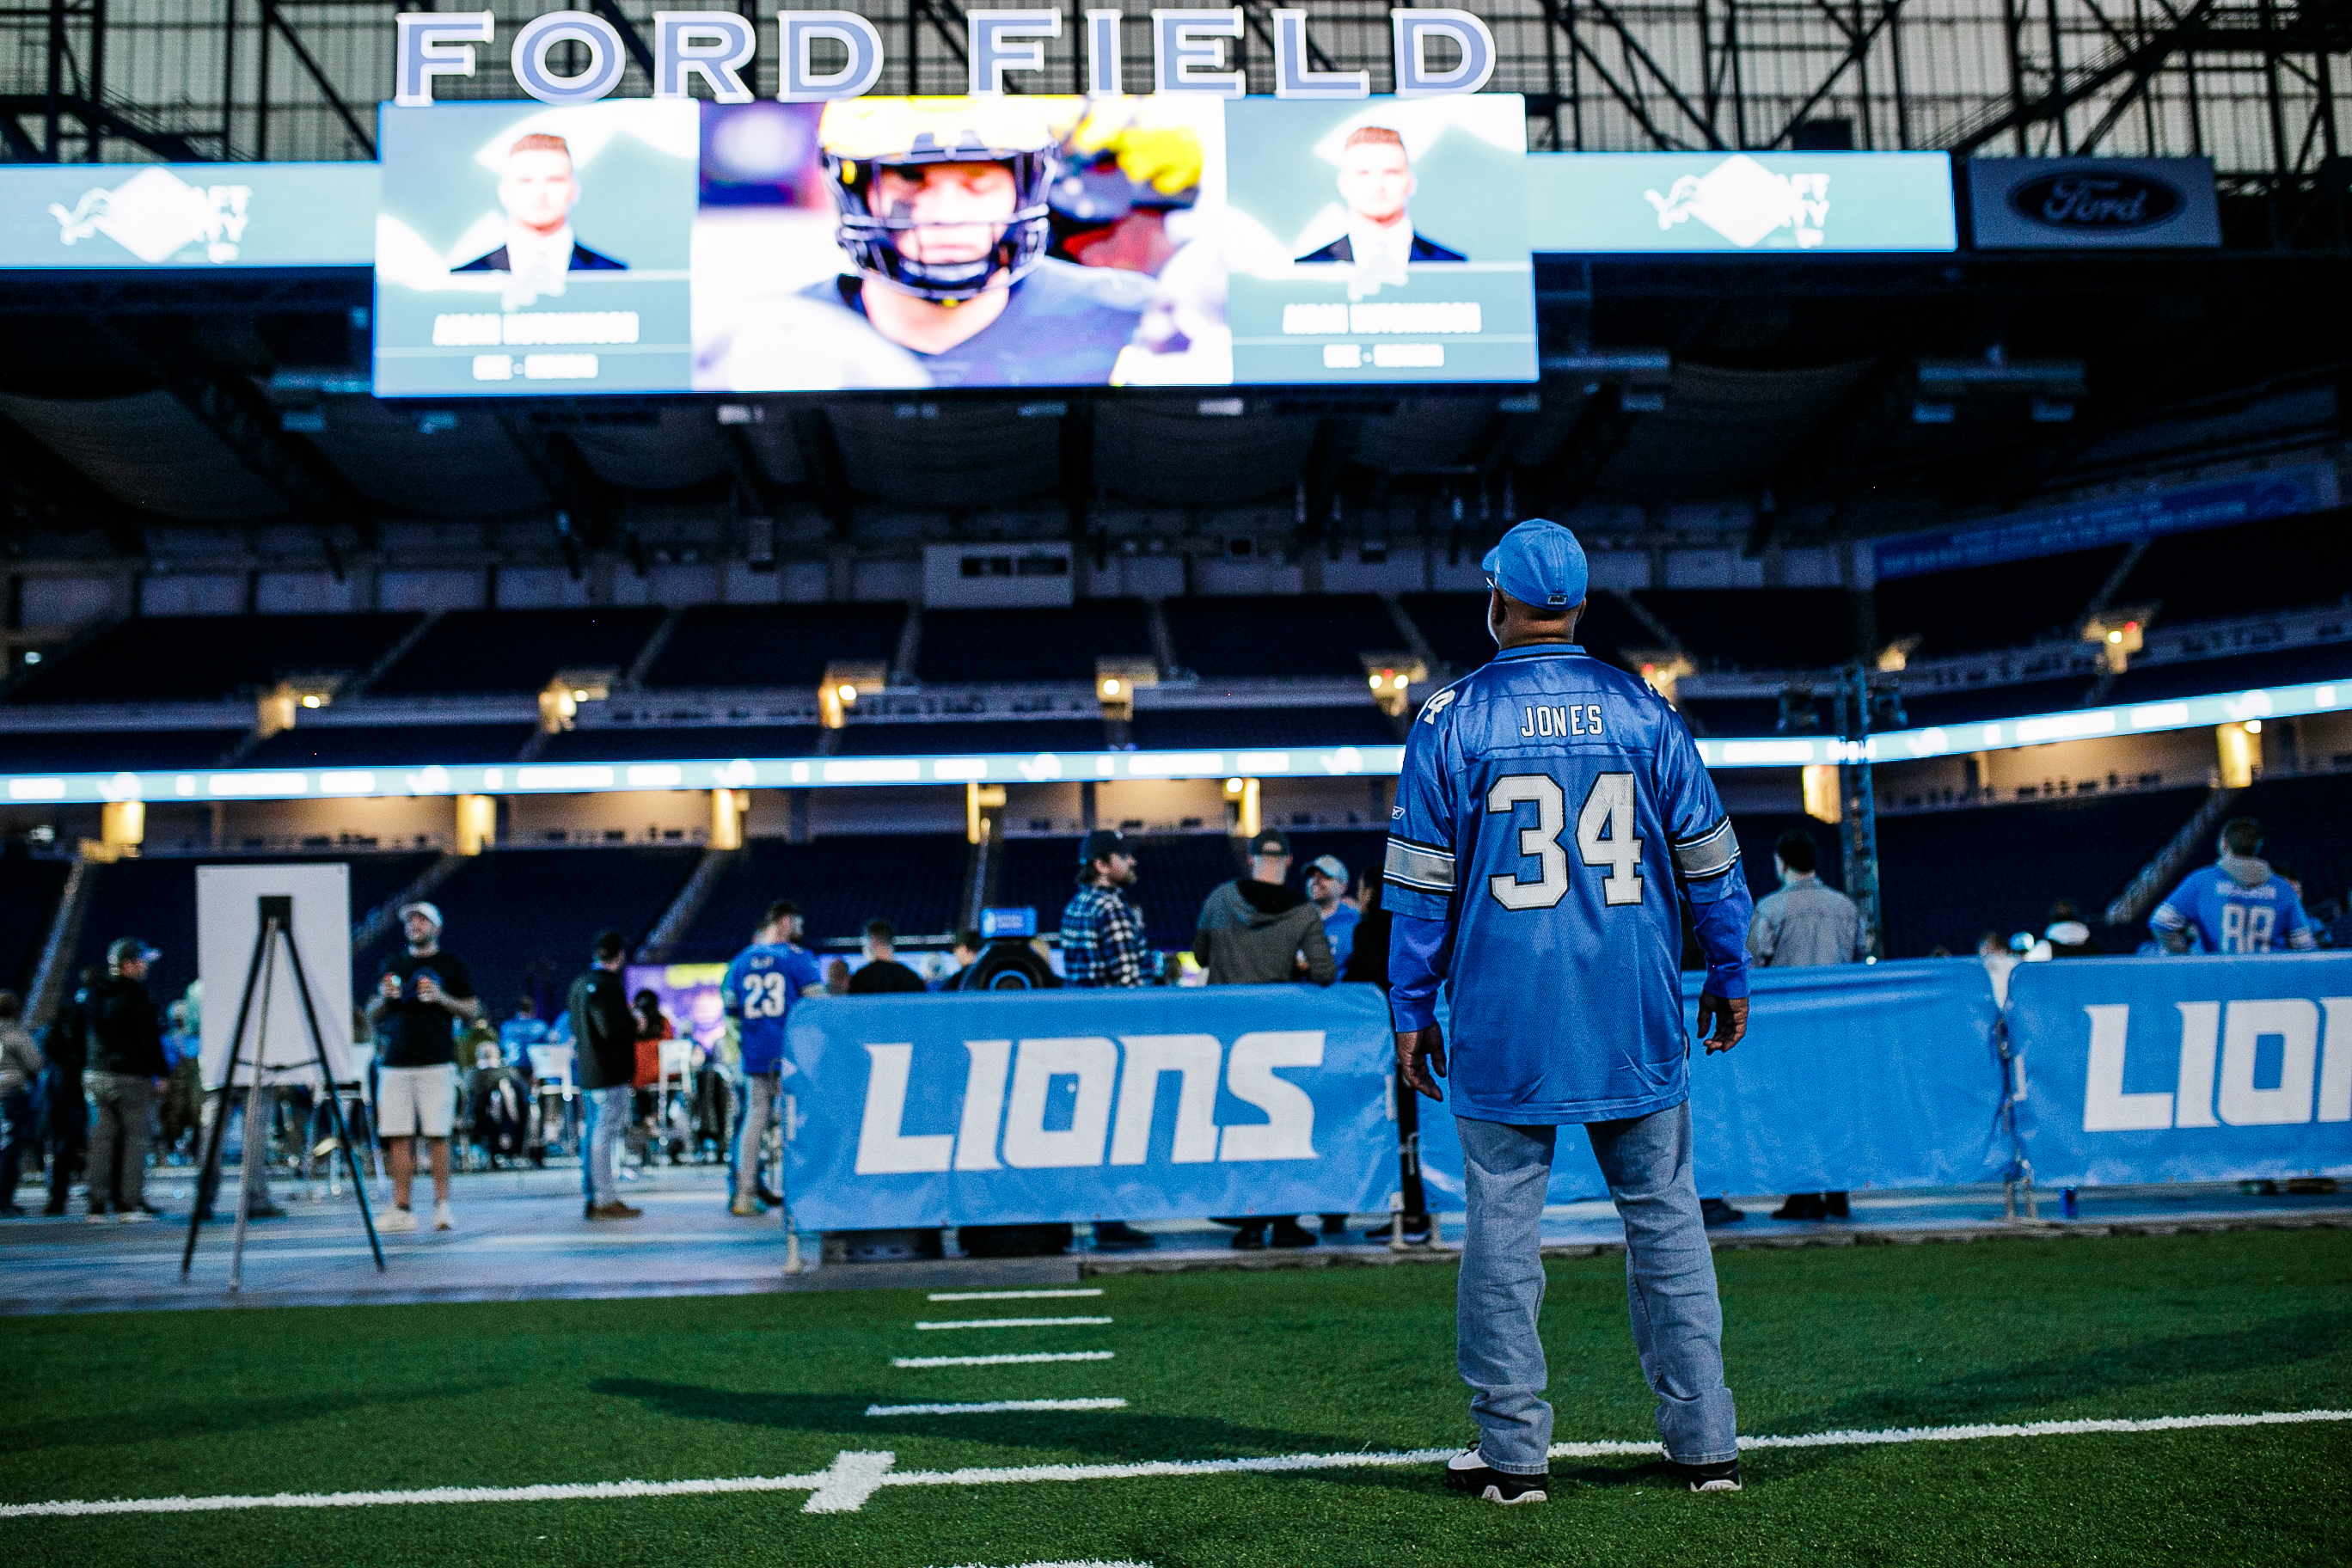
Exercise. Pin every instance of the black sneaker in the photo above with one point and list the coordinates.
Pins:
(1468, 1471)
(1723, 1476)
(1290, 1233)
(1381, 1235)
(1718, 1211)
(1250, 1238)
(1117, 1236)
(1803, 1205)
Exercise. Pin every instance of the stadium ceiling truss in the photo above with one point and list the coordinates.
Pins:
(2250, 83)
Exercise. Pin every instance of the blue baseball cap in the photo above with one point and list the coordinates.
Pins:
(1540, 564)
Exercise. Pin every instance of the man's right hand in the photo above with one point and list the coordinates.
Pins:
(1729, 1018)
(1419, 1053)
(389, 988)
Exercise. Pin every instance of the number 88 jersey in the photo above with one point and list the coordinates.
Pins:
(1554, 812)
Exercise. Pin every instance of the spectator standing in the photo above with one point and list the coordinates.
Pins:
(1367, 964)
(21, 1064)
(1807, 922)
(836, 977)
(2067, 933)
(2237, 905)
(882, 975)
(1327, 888)
(421, 997)
(607, 1031)
(1258, 930)
(65, 1107)
(1554, 824)
(966, 954)
(765, 983)
(1805, 925)
(520, 1033)
(1103, 949)
(125, 1074)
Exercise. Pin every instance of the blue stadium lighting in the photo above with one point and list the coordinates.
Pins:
(1050, 767)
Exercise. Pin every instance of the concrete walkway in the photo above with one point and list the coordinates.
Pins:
(520, 1237)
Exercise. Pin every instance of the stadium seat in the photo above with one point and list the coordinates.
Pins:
(2198, 677)
(29, 890)
(1757, 628)
(1224, 638)
(1454, 627)
(1982, 704)
(971, 736)
(127, 746)
(1183, 729)
(189, 659)
(680, 743)
(1978, 609)
(394, 746)
(1032, 643)
(517, 651)
(773, 645)
(2219, 572)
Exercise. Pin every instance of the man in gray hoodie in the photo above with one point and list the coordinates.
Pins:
(1255, 929)
(1258, 931)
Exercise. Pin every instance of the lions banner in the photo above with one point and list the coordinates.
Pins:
(1001, 1107)
(2185, 1069)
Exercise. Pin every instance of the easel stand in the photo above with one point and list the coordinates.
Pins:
(277, 923)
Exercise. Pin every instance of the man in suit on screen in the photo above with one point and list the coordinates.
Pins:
(1376, 181)
(538, 190)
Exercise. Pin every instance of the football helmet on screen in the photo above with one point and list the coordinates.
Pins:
(861, 138)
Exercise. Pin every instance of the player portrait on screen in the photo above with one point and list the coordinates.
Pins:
(944, 218)
(539, 188)
(1376, 181)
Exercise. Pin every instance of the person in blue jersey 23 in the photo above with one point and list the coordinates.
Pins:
(765, 983)
(1552, 820)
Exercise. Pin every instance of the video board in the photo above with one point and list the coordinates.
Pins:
(1172, 239)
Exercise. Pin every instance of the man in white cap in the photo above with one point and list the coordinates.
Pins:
(1553, 821)
(1327, 886)
(420, 998)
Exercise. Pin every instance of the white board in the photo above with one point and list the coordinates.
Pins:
(228, 918)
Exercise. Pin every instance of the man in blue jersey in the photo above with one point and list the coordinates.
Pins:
(1552, 819)
(761, 987)
(2238, 904)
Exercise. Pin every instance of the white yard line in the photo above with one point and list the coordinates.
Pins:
(1011, 1322)
(856, 1475)
(1005, 1295)
(991, 1406)
(1030, 1359)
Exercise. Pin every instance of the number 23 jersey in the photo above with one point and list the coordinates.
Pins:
(1554, 811)
(762, 987)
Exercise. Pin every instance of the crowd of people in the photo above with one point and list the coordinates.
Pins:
(114, 1081)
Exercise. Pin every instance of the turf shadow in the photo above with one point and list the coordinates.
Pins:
(227, 1415)
(1100, 1434)
(2029, 1389)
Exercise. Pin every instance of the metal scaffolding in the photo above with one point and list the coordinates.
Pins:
(2250, 83)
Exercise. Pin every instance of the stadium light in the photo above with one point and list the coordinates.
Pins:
(2253, 726)
(1234, 786)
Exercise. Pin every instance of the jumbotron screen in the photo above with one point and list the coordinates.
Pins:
(1023, 240)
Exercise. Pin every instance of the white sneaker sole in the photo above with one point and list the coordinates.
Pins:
(1494, 1494)
(1725, 1485)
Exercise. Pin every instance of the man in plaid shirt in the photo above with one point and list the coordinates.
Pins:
(1102, 945)
(1102, 933)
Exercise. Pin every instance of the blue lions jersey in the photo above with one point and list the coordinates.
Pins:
(761, 986)
(1553, 813)
(2230, 916)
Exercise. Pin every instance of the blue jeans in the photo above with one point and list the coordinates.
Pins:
(607, 1113)
(1669, 1285)
(762, 1105)
(17, 1137)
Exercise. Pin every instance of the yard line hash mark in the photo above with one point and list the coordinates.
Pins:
(1011, 1322)
(1006, 1295)
(856, 1475)
(1031, 1359)
(991, 1406)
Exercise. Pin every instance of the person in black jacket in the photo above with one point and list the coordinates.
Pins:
(604, 1028)
(126, 1072)
(1367, 964)
(65, 1113)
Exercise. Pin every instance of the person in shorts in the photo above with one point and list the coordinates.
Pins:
(421, 997)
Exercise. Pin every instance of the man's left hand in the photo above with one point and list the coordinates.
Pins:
(1728, 1015)
(426, 990)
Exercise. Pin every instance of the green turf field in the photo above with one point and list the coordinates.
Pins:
(1219, 1364)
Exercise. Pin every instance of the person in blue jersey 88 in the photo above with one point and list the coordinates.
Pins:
(1552, 820)
(763, 985)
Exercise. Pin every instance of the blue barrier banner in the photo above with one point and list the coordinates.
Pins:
(1852, 1076)
(2185, 1069)
(1012, 1107)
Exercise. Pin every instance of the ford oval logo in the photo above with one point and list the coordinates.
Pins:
(2100, 199)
